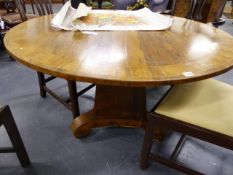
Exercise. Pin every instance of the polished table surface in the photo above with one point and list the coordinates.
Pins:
(122, 63)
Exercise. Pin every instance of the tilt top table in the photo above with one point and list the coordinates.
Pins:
(122, 63)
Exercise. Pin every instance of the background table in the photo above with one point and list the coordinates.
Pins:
(122, 64)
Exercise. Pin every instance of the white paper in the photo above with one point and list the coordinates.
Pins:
(122, 20)
(69, 18)
(82, 10)
(64, 18)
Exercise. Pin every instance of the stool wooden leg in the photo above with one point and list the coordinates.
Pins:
(149, 135)
(41, 79)
(73, 98)
(12, 131)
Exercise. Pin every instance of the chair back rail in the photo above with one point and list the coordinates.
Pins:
(20, 4)
(44, 7)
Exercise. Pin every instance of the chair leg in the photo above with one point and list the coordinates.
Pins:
(148, 139)
(178, 147)
(99, 4)
(146, 154)
(73, 98)
(41, 79)
(12, 131)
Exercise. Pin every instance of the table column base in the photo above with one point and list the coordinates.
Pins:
(114, 106)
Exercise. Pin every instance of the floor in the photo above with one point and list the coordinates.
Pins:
(44, 127)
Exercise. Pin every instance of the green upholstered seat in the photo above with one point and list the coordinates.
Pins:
(206, 103)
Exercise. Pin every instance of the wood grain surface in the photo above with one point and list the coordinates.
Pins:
(133, 58)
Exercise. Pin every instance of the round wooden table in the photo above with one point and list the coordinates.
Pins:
(122, 63)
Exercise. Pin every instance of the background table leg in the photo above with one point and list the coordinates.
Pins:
(73, 98)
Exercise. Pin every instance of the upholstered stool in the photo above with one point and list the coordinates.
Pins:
(201, 109)
(7, 120)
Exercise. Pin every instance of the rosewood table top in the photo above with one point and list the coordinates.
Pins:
(187, 51)
(121, 63)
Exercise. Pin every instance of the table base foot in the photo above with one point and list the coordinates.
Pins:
(114, 106)
(82, 125)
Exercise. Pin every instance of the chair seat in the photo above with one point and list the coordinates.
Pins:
(207, 104)
(14, 18)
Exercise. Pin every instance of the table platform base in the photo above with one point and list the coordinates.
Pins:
(114, 106)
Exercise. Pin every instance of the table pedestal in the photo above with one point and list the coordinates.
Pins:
(114, 106)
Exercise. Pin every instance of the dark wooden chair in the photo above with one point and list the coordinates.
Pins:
(44, 7)
(7, 120)
(189, 109)
(197, 8)
(13, 16)
(201, 110)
